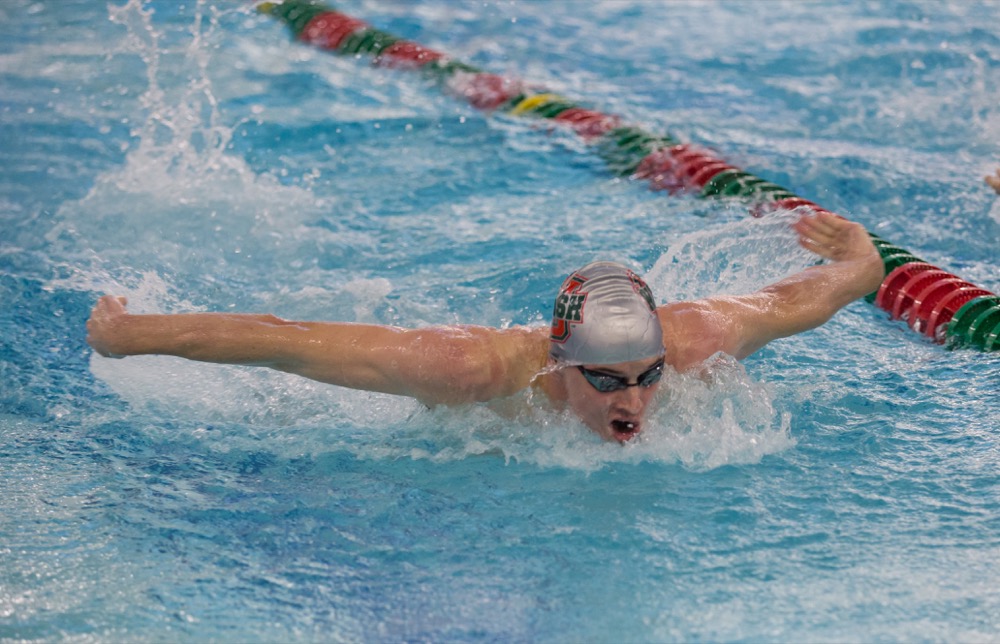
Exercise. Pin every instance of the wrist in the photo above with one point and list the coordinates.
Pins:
(138, 335)
(121, 340)
(873, 273)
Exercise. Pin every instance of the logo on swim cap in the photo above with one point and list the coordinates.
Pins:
(605, 314)
(569, 308)
(642, 289)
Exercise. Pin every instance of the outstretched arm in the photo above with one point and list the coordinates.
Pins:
(438, 365)
(740, 325)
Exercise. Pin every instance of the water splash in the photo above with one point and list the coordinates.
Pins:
(182, 138)
(182, 200)
(181, 167)
(732, 258)
(721, 418)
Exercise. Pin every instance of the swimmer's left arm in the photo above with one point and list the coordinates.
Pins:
(811, 297)
(740, 325)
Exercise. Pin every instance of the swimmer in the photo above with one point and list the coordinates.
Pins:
(994, 181)
(602, 357)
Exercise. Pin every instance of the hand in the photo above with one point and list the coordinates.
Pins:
(833, 237)
(994, 181)
(104, 324)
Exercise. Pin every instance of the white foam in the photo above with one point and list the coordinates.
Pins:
(725, 418)
(181, 197)
(731, 258)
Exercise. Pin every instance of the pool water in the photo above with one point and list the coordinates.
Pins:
(843, 484)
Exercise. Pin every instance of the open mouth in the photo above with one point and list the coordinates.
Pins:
(624, 429)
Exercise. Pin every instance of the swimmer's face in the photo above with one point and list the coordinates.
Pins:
(618, 412)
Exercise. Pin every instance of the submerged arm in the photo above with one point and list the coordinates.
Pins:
(435, 365)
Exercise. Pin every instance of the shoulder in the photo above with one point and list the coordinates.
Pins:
(525, 347)
(510, 346)
(509, 359)
(697, 330)
(461, 363)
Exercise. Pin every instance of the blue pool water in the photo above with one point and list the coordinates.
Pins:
(840, 485)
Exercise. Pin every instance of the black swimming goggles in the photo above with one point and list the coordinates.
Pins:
(606, 382)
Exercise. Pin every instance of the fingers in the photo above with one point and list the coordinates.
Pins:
(831, 236)
(100, 326)
(111, 304)
(824, 222)
(819, 229)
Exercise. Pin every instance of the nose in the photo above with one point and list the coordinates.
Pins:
(629, 400)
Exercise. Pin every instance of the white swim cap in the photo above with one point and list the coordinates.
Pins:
(605, 314)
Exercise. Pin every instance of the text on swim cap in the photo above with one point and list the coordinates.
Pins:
(568, 308)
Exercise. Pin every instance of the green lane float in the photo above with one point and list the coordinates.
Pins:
(932, 301)
(977, 324)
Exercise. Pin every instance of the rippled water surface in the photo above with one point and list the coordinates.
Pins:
(840, 485)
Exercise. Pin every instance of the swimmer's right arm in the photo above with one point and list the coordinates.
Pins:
(437, 365)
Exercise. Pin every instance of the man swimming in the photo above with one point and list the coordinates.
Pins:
(602, 357)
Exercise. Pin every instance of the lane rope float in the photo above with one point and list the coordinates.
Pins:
(931, 300)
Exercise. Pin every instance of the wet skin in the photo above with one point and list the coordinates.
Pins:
(615, 415)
